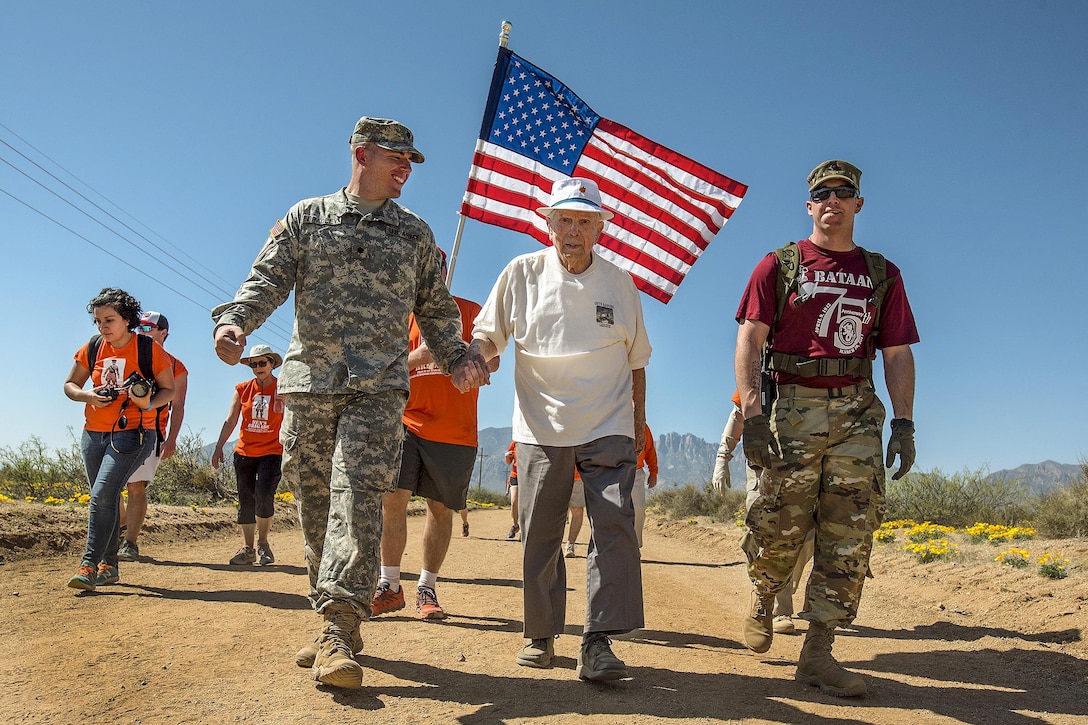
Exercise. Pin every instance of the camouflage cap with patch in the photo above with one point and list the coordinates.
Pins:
(835, 169)
(387, 133)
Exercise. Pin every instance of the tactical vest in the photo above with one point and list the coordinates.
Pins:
(789, 264)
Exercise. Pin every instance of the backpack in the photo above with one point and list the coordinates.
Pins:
(789, 264)
(145, 349)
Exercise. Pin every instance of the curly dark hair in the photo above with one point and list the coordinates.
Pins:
(126, 305)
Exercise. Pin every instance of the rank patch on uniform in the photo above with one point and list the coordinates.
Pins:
(277, 229)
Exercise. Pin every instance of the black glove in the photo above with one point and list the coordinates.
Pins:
(759, 442)
(902, 443)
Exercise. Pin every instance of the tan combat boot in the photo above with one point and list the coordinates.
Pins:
(818, 668)
(758, 625)
(305, 657)
(334, 664)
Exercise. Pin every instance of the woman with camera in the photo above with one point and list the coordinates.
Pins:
(129, 379)
(258, 453)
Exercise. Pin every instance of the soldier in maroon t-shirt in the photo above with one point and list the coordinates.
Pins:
(819, 441)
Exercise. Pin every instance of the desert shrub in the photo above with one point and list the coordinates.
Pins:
(33, 470)
(959, 499)
(187, 477)
(687, 501)
(487, 496)
(1064, 510)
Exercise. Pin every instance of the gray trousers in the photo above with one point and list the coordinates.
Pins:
(613, 567)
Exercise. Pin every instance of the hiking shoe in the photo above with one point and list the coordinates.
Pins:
(783, 624)
(305, 657)
(596, 661)
(264, 555)
(85, 578)
(334, 664)
(128, 551)
(386, 600)
(568, 551)
(758, 625)
(816, 666)
(107, 575)
(464, 530)
(246, 555)
(427, 604)
(538, 653)
(513, 532)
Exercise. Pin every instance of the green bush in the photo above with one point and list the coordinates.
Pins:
(33, 470)
(959, 499)
(486, 495)
(187, 477)
(687, 501)
(1063, 512)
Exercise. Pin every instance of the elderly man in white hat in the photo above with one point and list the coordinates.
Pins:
(580, 349)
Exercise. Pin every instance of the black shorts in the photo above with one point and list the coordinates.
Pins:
(438, 471)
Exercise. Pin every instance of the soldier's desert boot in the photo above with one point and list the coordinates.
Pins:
(818, 668)
(334, 665)
(759, 624)
(305, 657)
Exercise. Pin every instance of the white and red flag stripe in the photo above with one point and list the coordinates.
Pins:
(537, 131)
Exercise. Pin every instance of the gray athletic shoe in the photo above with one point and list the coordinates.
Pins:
(538, 653)
(128, 551)
(245, 556)
(264, 555)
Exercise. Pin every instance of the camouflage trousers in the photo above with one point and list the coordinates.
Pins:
(341, 453)
(829, 476)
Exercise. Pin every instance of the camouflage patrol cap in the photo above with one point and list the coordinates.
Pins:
(387, 133)
(835, 169)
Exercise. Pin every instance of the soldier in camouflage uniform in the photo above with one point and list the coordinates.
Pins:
(819, 441)
(359, 264)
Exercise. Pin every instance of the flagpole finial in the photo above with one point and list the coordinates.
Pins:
(504, 36)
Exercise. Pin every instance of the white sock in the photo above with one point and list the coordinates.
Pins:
(427, 578)
(390, 575)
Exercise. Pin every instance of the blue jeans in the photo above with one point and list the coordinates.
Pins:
(109, 460)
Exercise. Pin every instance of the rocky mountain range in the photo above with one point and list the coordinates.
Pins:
(684, 458)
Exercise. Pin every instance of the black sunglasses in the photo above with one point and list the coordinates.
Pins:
(824, 193)
(259, 364)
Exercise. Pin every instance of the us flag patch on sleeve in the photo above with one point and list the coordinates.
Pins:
(277, 229)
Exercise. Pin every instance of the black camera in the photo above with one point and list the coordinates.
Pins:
(110, 393)
(138, 386)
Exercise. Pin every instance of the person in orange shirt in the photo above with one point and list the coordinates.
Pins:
(647, 459)
(157, 327)
(119, 432)
(511, 458)
(439, 450)
(258, 456)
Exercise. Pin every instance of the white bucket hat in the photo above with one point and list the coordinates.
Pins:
(263, 351)
(577, 195)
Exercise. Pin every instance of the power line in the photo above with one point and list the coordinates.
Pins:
(106, 251)
(273, 327)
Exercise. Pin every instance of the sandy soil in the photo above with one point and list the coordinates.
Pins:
(185, 638)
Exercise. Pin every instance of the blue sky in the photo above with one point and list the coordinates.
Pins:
(203, 122)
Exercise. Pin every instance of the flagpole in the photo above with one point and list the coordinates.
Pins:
(504, 38)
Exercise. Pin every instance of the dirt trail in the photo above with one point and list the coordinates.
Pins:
(185, 638)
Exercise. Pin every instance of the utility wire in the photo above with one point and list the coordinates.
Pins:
(123, 261)
(274, 327)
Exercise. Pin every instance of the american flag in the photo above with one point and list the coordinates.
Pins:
(536, 131)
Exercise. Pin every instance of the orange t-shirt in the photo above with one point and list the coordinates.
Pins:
(513, 451)
(648, 457)
(111, 368)
(437, 411)
(262, 414)
(164, 414)
(736, 398)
